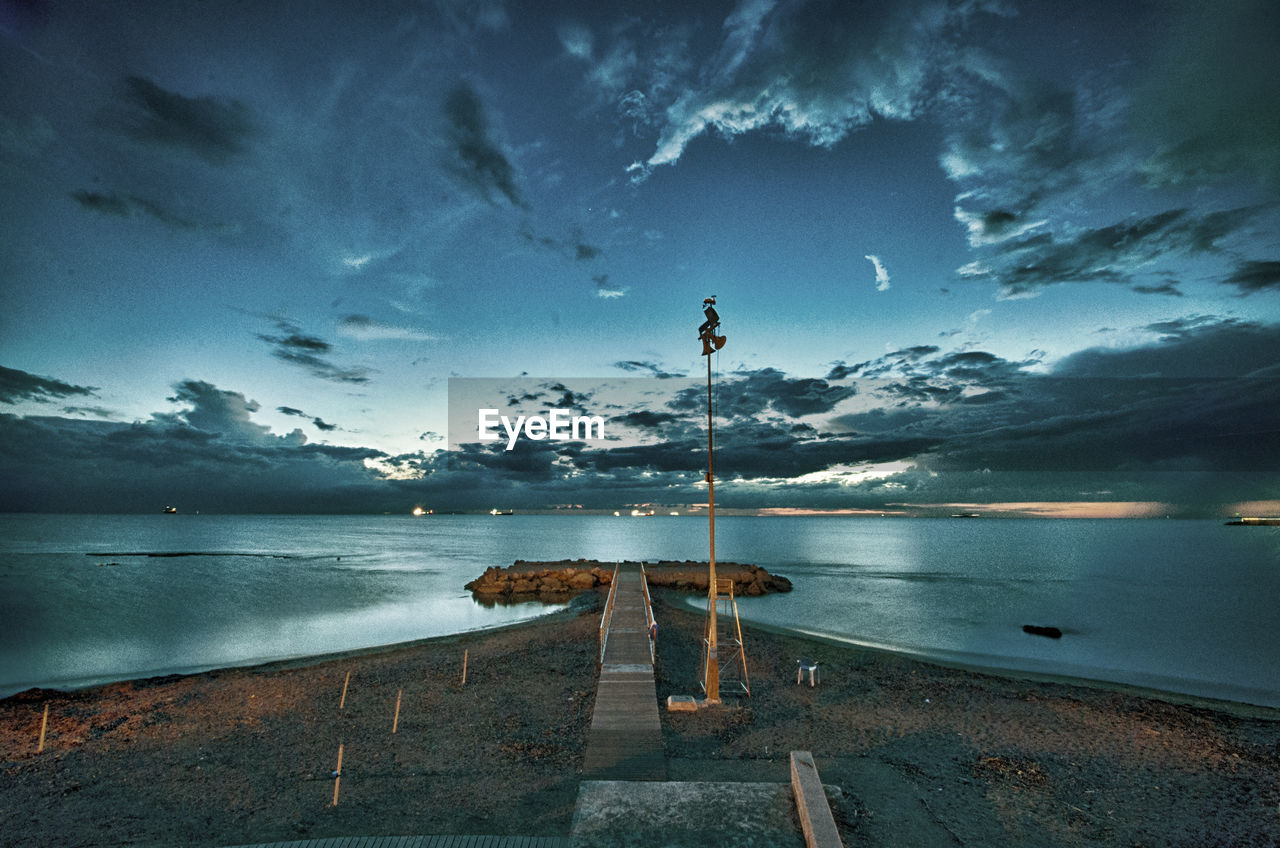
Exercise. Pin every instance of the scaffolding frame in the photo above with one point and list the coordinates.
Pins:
(731, 655)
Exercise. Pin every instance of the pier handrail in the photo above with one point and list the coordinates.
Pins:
(607, 616)
(650, 621)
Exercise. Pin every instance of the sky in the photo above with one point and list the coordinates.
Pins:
(1022, 258)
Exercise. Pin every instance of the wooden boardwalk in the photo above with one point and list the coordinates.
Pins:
(625, 740)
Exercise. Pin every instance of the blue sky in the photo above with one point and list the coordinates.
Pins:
(245, 246)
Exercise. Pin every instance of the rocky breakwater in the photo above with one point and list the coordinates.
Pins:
(557, 581)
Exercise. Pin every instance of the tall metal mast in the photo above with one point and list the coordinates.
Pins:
(710, 344)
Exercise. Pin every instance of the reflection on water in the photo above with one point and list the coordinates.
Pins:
(1181, 605)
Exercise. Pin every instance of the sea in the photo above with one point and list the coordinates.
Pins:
(1179, 606)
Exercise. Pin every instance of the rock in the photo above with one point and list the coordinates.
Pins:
(553, 581)
(582, 580)
(1038, 630)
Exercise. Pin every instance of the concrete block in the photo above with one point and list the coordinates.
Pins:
(816, 821)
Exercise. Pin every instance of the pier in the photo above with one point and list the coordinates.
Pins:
(625, 741)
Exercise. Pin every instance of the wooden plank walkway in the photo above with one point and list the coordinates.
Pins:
(421, 842)
(625, 740)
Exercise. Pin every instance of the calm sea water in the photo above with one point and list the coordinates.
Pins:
(1182, 606)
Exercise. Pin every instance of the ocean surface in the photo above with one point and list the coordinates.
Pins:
(1189, 607)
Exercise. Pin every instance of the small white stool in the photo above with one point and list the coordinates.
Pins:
(811, 666)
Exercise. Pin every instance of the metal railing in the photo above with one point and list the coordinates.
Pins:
(607, 616)
(650, 622)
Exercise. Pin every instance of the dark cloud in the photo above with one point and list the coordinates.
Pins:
(652, 368)
(213, 128)
(585, 251)
(124, 206)
(1117, 253)
(107, 204)
(96, 411)
(207, 455)
(1196, 347)
(481, 160)
(647, 419)
(319, 423)
(1191, 415)
(1255, 276)
(72, 465)
(1202, 400)
(310, 352)
(1162, 288)
(842, 371)
(217, 411)
(18, 385)
(755, 392)
(818, 70)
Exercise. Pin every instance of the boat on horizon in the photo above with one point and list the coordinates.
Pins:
(170, 510)
(501, 512)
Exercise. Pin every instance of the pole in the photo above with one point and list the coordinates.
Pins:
(713, 654)
(337, 776)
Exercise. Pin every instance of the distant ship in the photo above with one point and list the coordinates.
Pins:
(501, 512)
(170, 510)
(1254, 522)
(966, 515)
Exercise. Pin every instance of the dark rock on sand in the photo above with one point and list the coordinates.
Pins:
(1038, 630)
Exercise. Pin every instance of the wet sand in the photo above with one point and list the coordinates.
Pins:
(922, 754)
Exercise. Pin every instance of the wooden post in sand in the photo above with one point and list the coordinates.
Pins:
(464, 667)
(337, 776)
(395, 722)
(343, 701)
(44, 725)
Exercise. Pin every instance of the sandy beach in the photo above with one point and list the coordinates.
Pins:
(922, 754)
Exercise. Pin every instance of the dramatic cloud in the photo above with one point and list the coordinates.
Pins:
(994, 226)
(212, 128)
(1255, 276)
(814, 70)
(768, 389)
(1118, 253)
(18, 385)
(218, 412)
(1152, 422)
(310, 352)
(481, 161)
